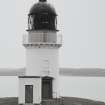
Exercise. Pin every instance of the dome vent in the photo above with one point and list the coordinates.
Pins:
(42, 0)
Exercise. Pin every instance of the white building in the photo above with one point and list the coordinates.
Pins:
(42, 45)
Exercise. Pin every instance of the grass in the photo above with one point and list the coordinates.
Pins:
(9, 101)
(63, 101)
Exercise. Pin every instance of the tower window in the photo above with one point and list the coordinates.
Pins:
(31, 22)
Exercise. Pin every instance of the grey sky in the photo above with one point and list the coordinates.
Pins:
(82, 23)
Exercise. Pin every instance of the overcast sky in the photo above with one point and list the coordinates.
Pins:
(82, 24)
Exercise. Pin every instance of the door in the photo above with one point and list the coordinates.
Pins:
(46, 88)
(28, 93)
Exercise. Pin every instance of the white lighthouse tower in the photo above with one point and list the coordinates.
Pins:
(42, 45)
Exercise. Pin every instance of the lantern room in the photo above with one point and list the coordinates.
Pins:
(42, 16)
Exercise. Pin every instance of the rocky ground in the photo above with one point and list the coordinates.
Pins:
(62, 101)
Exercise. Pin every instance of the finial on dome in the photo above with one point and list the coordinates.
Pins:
(42, 0)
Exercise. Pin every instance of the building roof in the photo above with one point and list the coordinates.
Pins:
(41, 7)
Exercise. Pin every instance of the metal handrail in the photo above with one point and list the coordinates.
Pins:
(42, 39)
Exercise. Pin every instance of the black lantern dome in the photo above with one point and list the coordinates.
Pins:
(42, 16)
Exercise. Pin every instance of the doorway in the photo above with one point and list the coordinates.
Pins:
(28, 93)
(47, 87)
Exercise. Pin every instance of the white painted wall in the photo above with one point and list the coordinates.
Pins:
(43, 62)
(40, 61)
(42, 55)
(36, 82)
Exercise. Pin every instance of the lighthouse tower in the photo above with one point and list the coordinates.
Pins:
(42, 45)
